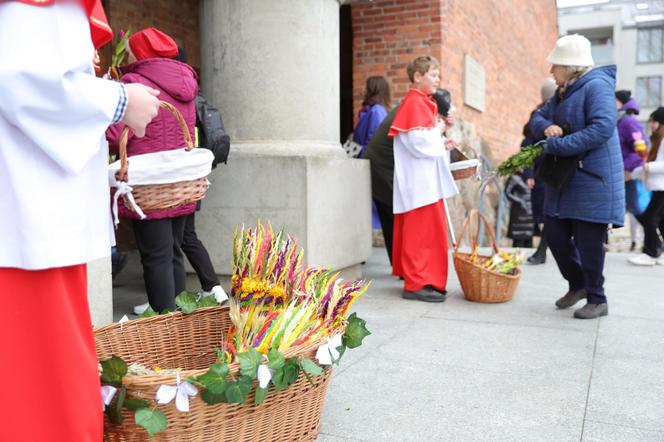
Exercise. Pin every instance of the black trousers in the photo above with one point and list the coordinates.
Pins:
(159, 243)
(578, 248)
(651, 220)
(387, 224)
(198, 256)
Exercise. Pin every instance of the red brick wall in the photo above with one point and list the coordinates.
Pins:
(510, 39)
(387, 34)
(179, 19)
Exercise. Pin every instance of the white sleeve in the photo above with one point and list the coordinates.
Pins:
(422, 143)
(48, 90)
(656, 167)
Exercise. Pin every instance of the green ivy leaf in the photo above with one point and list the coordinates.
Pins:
(153, 421)
(186, 302)
(275, 360)
(113, 370)
(237, 391)
(310, 367)
(133, 404)
(356, 331)
(207, 301)
(260, 395)
(214, 379)
(211, 398)
(287, 375)
(114, 410)
(147, 313)
(249, 362)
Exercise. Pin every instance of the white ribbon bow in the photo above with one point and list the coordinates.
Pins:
(328, 353)
(125, 189)
(107, 394)
(264, 375)
(181, 392)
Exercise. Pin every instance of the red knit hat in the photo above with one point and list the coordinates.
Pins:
(150, 43)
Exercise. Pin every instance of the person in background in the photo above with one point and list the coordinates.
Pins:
(55, 214)
(380, 152)
(160, 235)
(422, 180)
(521, 225)
(578, 215)
(630, 132)
(547, 89)
(375, 106)
(652, 172)
(212, 136)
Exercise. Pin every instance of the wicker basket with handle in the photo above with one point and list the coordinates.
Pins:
(152, 197)
(176, 340)
(469, 168)
(480, 284)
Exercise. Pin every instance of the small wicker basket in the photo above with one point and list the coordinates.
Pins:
(480, 284)
(470, 165)
(176, 340)
(152, 197)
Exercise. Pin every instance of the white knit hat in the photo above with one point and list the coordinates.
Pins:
(572, 50)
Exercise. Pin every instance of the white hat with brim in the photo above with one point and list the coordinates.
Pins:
(572, 50)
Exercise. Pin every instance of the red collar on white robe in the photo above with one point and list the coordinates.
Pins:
(418, 111)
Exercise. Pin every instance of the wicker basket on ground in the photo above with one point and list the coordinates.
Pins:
(176, 340)
(478, 283)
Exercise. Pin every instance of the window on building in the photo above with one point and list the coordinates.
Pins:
(650, 45)
(649, 91)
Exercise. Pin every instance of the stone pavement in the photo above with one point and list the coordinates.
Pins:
(519, 371)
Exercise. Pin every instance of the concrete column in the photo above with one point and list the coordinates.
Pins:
(100, 291)
(272, 68)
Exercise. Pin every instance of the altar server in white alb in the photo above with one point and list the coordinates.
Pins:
(54, 212)
(422, 180)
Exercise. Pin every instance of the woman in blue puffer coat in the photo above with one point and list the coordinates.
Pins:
(577, 217)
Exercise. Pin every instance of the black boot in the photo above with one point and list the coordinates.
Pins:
(539, 257)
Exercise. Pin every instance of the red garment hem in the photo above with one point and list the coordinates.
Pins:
(420, 247)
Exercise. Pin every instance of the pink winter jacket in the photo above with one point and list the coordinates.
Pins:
(178, 86)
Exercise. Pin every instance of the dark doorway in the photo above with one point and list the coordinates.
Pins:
(346, 52)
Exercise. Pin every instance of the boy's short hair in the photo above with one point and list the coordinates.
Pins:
(421, 64)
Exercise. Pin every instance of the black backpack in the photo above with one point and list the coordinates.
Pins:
(212, 134)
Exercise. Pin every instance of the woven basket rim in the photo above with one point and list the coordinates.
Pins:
(234, 368)
(463, 256)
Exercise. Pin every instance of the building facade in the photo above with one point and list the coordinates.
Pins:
(629, 34)
(288, 76)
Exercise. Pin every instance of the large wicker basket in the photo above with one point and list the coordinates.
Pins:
(152, 197)
(479, 284)
(188, 342)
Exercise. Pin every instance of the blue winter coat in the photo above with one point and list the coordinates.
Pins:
(597, 191)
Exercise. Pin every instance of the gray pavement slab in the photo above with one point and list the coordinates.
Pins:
(601, 432)
(518, 371)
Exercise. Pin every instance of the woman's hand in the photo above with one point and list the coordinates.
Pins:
(530, 182)
(628, 175)
(553, 131)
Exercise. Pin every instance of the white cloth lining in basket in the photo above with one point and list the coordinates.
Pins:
(171, 166)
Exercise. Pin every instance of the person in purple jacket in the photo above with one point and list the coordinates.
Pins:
(375, 106)
(159, 236)
(629, 131)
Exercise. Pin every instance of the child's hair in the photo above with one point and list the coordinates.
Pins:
(658, 136)
(377, 92)
(421, 64)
